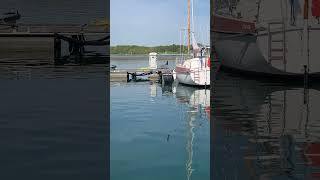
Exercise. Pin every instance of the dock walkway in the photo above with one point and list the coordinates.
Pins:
(153, 75)
(75, 35)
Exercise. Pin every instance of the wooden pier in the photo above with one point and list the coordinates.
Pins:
(128, 75)
(20, 37)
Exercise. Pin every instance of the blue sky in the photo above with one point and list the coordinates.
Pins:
(156, 22)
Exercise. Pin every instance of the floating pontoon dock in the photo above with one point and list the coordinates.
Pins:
(127, 75)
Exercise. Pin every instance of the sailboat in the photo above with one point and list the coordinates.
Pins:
(194, 71)
(267, 37)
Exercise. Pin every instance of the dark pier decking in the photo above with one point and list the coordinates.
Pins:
(34, 37)
(127, 75)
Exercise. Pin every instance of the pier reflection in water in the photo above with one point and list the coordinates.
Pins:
(53, 122)
(264, 130)
(159, 132)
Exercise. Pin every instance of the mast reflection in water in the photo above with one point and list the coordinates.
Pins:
(159, 132)
(198, 101)
(264, 130)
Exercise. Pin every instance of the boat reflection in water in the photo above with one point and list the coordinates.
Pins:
(265, 130)
(198, 99)
(198, 108)
(157, 132)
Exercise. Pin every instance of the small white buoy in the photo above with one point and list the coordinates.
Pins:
(153, 60)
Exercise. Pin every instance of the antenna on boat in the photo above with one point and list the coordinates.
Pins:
(188, 27)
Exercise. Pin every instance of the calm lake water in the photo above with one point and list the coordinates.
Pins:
(53, 119)
(159, 132)
(57, 12)
(54, 123)
(264, 130)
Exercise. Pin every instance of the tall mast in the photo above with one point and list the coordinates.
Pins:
(188, 27)
(306, 9)
(306, 30)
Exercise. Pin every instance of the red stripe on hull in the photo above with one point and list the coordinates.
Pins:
(316, 8)
(224, 24)
(182, 70)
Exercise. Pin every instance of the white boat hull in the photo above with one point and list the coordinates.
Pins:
(188, 79)
(243, 53)
(246, 50)
(194, 72)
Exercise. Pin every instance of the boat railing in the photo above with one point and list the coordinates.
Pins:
(180, 60)
(276, 45)
(279, 31)
(263, 29)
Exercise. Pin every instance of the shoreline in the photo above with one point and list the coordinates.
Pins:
(128, 55)
(141, 57)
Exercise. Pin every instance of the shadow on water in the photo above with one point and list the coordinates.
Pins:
(264, 130)
(53, 121)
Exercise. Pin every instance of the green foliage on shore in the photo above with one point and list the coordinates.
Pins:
(139, 50)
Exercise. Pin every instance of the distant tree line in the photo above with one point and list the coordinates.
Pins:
(133, 49)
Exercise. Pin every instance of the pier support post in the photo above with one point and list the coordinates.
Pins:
(128, 77)
(306, 78)
(57, 49)
(134, 76)
(161, 77)
(76, 49)
(82, 49)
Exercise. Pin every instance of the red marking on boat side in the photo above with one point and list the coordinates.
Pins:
(231, 25)
(182, 70)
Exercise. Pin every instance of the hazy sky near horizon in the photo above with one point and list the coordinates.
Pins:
(156, 22)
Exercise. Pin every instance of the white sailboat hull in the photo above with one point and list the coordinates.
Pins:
(245, 46)
(243, 54)
(194, 72)
(189, 79)
(249, 53)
